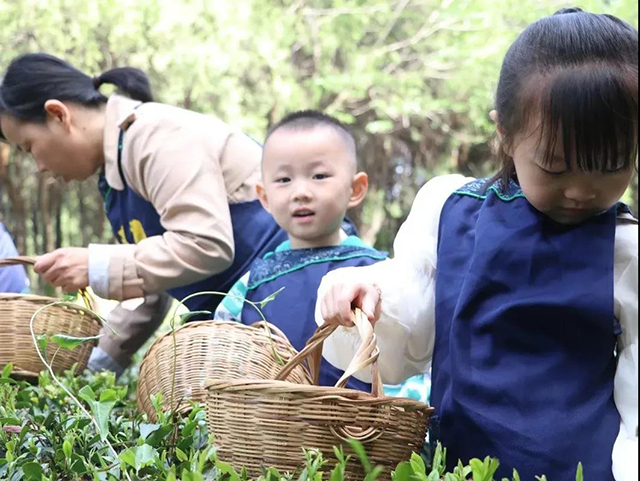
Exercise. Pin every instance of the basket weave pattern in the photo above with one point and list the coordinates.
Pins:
(17, 345)
(260, 423)
(218, 350)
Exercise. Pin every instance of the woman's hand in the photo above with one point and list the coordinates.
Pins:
(67, 268)
(341, 298)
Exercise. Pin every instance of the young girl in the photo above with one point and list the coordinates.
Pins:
(178, 187)
(521, 291)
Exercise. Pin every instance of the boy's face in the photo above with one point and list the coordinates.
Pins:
(309, 182)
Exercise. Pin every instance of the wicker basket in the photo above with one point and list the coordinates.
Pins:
(212, 350)
(17, 345)
(264, 423)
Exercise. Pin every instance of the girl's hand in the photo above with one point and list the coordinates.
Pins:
(341, 298)
(67, 268)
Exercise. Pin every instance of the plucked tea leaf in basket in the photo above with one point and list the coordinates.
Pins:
(71, 342)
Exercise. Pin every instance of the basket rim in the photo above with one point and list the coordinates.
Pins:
(205, 325)
(44, 300)
(324, 392)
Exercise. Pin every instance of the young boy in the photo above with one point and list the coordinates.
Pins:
(309, 181)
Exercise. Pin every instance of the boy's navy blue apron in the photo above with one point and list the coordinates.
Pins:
(524, 361)
(298, 273)
(254, 232)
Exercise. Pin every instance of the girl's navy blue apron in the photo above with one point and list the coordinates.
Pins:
(524, 360)
(297, 274)
(254, 232)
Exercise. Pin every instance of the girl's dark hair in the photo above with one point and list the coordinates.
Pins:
(34, 78)
(574, 76)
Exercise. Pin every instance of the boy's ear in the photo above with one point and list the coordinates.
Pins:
(359, 188)
(262, 197)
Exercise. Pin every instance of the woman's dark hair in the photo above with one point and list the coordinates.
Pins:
(574, 76)
(34, 78)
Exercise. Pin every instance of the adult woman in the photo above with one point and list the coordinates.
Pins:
(178, 186)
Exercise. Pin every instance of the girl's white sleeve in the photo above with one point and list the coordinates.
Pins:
(625, 393)
(406, 328)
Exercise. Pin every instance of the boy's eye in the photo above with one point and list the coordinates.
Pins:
(320, 176)
(282, 180)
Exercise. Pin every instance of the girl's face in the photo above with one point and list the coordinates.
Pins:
(57, 145)
(568, 196)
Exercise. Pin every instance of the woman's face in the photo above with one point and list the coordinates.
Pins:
(57, 145)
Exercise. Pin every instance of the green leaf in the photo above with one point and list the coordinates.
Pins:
(403, 472)
(156, 438)
(32, 471)
(270, 298)
(139, 456)
(362, 455)
(516, 475)
(188, 315)
(372, 476)
(579, 473)
(172, 475)
(7, 370)
(67, 448)
(226, 468)
(181, 455)
(43, 342)
(417, 464)
(71, 342)
(434, 476)
(101, 410)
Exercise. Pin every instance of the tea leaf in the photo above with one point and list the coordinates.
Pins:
(270, 298)
(189, 315)
(139, 457)
(43, 342)
(33, 471)
(403, 472)
(7, 370)
(71, 342)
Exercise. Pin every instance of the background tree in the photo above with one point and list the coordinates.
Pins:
(413, 78)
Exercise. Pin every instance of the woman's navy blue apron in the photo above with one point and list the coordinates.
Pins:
(254, 232)
(524, 360)
(298, 273)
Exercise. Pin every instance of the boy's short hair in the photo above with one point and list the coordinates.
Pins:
(308, 119)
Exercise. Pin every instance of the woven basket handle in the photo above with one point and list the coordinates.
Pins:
(367, 355)
(18, 261)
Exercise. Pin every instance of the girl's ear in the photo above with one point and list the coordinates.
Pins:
(496, 120)
(262, 196)
(359, 188)
(58, 114)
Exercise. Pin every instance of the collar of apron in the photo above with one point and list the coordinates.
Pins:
(120, 114)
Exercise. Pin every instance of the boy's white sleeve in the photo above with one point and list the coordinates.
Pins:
(625, 393)
(406, 328)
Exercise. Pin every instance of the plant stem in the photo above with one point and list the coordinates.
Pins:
(57, 381)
